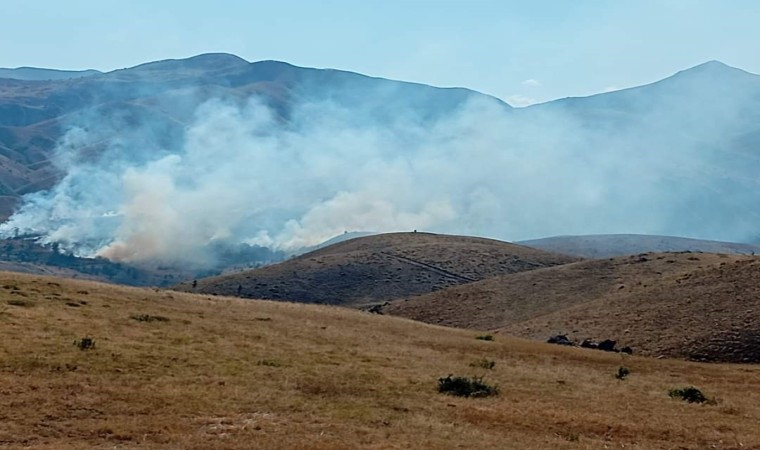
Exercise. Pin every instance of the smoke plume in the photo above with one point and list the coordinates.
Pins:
(237, 172)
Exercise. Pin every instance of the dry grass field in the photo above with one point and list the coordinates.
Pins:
(171, 370)
(373, 269)
(685, 305)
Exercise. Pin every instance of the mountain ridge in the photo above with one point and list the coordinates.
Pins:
(647, 161)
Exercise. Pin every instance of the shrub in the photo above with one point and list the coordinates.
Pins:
(86, 343)
(484, 363)
(269, 363)
(148, 318)
(466, 387)
(622, 373)
(485, 337)
(689, 394)
(21, 303)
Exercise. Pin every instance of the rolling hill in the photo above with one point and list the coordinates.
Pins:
(611, 245)
(683, 305)
(93, 366)
(373, 269)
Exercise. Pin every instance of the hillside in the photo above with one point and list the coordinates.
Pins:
(37, 74)
(172, 370)
(683, 305)
(373, 269)
(611, 245)
(156, 100)
(155, 164)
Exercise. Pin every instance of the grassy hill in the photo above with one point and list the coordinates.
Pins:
(611, 245)
(377, 268)
(686, 305)
(173, 370)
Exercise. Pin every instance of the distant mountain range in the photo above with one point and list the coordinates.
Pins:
(679, 156)
(36, 74)
(38, 105)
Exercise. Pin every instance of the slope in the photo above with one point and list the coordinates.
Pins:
(685, 305)
(377, 268)
(37, 74)
(173, 370)
(159, 98)
(611, 245)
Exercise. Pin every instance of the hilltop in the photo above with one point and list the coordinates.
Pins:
(373, 269)
(175, 370)
(683, 305)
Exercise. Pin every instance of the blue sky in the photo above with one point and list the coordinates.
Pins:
(520, 51)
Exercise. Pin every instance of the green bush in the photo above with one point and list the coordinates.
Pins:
(622, 373)
(689, 394)
(466, 387)
(86, 343)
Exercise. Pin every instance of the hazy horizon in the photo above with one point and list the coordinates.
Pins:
(520, 52)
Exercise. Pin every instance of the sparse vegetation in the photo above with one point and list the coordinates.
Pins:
(269, 363)
(622, 373)
(86, 343)
(583, 300)
(466, 387)
(689, 394)
(485, 337)
(21, 303)
(207, 379)
(484, 363)
(148, 318)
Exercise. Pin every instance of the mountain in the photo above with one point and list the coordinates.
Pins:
(161, 97)
(103, 366)
(677, 157)
(342, 151)
(37, 74)
(373, 269)
(611, 245)
(686, 305)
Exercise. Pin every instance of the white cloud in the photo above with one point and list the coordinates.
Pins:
(519, 100)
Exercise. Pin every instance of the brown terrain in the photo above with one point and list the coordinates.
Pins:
(684, 305)
(169, 370)
(374, 269)
(611, 245)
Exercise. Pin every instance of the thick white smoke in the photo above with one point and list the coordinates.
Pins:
(242, 174)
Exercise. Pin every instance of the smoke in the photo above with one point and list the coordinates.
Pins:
(236, 172)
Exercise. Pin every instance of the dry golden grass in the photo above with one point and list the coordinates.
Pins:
(685, 305)
(234, 374)
(373, 269)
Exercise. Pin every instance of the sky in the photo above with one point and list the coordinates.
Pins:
(520, 51)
